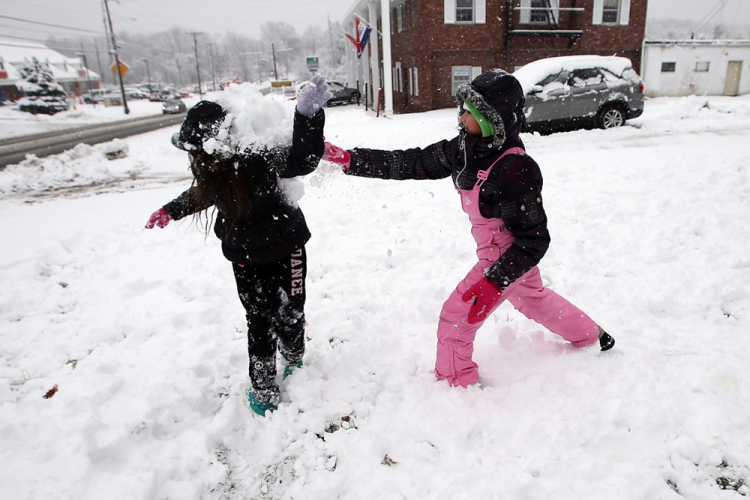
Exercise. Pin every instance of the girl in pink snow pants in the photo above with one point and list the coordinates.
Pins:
(500, 189)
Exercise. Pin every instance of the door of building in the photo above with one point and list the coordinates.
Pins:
(732, 82)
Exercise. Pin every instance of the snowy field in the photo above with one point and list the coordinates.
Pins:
(139, 337)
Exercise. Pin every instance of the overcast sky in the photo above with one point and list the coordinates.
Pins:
(246, 16)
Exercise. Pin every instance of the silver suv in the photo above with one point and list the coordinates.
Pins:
(580, 91)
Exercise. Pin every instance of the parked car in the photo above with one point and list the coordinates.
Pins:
(97, 95)
(173, 107)
(342, 94)
(131, 93)
(580, 91)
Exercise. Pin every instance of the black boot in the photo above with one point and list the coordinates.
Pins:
(605, 340)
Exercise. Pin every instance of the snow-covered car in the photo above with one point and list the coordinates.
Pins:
(173, 107)
(97, 95)
(580, 91)
(342, 94)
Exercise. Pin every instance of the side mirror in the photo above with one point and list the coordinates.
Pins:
(537, 89)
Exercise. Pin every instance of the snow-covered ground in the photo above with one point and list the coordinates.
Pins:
(143, 336)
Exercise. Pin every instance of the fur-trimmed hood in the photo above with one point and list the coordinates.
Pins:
(499, 97)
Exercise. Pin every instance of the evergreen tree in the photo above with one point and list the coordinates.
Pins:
(43, 94)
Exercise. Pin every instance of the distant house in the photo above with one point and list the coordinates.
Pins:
(700, 67)
(426, 48)
(68, 72)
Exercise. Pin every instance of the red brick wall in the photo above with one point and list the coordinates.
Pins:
(434, 46)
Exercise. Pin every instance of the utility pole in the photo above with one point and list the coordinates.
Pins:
(82, 55)
(197, 64)
(98, 61)
(330, 40)
(211, 56)
(179, 71)
(148, 75)
(117, 59)
(273, 51)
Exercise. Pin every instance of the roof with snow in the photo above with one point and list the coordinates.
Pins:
(16, 54)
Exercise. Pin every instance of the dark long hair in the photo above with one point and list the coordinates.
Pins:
(220, 177)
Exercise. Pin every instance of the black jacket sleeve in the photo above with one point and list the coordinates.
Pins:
(432, 162)
(183, 205)
(303, 156)
(520, 206)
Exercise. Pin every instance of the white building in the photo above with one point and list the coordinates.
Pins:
(696, 67)
(68, 72)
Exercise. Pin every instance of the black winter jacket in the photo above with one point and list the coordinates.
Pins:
(273, 227)
(512, 192)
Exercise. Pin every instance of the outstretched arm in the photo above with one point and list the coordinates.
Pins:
(432, 162)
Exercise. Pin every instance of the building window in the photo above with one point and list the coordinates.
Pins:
(464, 11)
(459, 76)
(397, 78)
(668, 67)
(539, 12)
(400, 18)
(611, 11)
(413, 7)
(702, 66)
(414, 82)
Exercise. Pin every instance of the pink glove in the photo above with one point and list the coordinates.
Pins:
(337, 155)
(161, 218)
(485, 295)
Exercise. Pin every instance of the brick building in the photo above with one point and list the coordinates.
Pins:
(426, 48)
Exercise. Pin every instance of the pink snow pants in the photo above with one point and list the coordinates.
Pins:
(455, 344)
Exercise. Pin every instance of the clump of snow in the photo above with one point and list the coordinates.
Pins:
(254, 122)
(534, 72)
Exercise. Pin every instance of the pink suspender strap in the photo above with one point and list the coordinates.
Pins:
(483, 174)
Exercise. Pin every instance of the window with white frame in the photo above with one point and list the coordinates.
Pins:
(400, 18)
(612, 12)
(464, 11)
(414, 82)
(459, 76)
(539, 13)
(702, 66)
(397, 78)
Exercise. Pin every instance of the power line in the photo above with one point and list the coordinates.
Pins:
(48, 24)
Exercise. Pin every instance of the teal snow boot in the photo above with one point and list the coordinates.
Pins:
(289, 369)
(257, 406)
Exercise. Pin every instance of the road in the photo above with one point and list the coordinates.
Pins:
(15, 149)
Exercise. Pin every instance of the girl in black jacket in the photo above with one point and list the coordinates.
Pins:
(501, 191)
(262, 233)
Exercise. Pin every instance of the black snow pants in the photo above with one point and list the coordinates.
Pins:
(274, 299)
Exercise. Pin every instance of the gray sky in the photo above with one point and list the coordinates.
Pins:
(245, 16)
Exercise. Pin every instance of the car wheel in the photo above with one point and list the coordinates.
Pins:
(611, 117)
